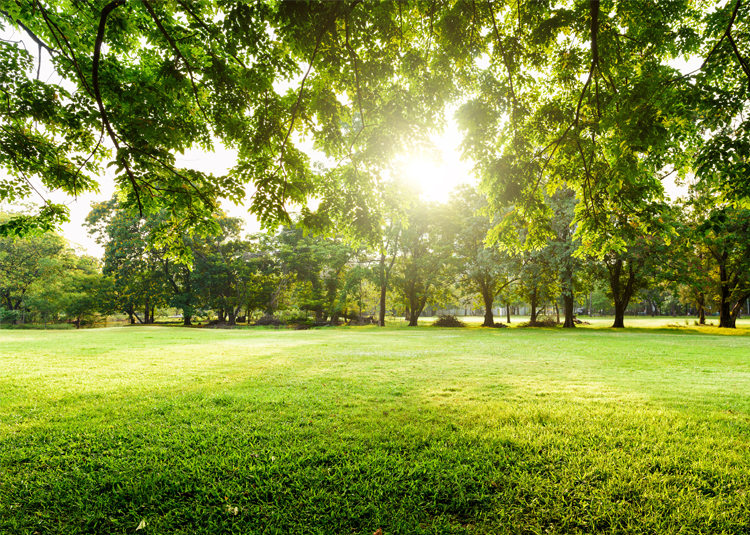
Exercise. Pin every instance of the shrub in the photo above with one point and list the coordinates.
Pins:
(269, 320)
(541, 321)
(448, 321)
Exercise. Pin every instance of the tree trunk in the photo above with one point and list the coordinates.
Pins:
(701, 309)
(569, 303)
(532, 318)
(621, 296)
(407, 314)
(489, 319)
(726, 318)
(557, 312)
(507, 310)
(381, 312)
(417, 305)
(619, 316)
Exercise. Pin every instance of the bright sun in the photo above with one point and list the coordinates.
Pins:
(433, 177)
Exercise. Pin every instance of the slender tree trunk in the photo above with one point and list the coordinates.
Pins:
(701, 309)
(381, 310)
(383, 290)
(407, 314)
(507, 311)
(146, 310)
(557, 312)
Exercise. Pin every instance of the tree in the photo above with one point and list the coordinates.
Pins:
(424, 254)
(562, 247)
(152, 79)
(483, 271)
(136, 269)
(28, 261)
(726, 234)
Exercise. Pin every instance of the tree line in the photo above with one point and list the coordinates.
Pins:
(429, 256)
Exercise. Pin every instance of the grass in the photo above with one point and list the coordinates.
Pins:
(350, 430)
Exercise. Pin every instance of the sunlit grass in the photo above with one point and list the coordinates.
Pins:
(349, 430)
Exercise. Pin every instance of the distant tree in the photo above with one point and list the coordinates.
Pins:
(28, 261)
(726, 235)
(484, 272)
(319, 265)
(136, 269)
(424, 253)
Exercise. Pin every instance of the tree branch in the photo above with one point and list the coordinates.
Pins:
(34, 37)
(98, 95)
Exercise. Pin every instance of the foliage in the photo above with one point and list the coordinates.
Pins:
(448, 321)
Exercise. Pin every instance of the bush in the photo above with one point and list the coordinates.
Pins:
(448, 321)
(291, 315)
(269, 321)
(8, 316)
(39, 326)
(541, 321)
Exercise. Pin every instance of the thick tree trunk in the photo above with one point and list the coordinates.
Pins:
(725, 317)
(569, 302)
(727, 312)
(489, 319)
(407, 314)
(146, 310)
(416, 305)
(532, 318)
(186, 319)
(619, 316)
(621, 296)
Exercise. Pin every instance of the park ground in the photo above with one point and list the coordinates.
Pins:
(351, 430)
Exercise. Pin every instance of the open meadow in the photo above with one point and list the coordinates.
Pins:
(355, 429)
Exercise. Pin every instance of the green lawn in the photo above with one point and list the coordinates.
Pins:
(350, 430)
